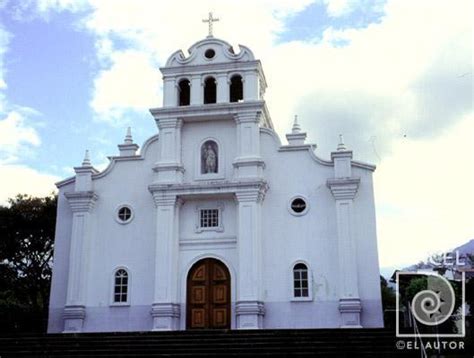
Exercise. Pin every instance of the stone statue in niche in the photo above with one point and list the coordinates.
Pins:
(209, 157)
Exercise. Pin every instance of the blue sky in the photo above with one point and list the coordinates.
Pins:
(395, 77)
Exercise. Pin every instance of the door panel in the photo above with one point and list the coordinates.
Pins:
(208, 295)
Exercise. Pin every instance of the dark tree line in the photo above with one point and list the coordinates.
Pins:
(27, 227)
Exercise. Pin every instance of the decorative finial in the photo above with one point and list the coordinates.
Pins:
(210, 20)
(128, 137)
(296, 127)
(341, 146)
(87, 160)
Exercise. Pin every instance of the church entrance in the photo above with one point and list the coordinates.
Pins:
(208, 295)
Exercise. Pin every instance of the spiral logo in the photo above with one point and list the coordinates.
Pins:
(434, 305)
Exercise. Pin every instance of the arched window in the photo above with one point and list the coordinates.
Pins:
(121, 286)
(236, 89)
(210, 90)
(184, 92)
(209, 157)
(300, 281)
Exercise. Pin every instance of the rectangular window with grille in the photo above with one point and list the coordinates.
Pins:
(209, 218)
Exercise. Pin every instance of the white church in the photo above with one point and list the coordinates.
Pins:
(215, 223)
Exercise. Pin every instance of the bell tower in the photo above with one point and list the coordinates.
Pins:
(211, 82)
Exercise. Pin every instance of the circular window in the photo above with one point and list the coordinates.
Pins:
(298, 205)
(124, 214)
(210, 53)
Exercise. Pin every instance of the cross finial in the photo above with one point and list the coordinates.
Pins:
(210, 20)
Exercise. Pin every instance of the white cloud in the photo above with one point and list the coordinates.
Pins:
(18, 179)
(16, 137)
(337, 8)
(26, 10)
(4, 41)
(132, 82)
(427, 187)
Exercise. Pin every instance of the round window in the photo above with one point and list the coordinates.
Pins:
(124, 214)
(298, 206)
(210, 53)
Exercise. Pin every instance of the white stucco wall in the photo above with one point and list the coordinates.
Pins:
(286, 238)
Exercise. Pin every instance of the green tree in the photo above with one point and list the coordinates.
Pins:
(388, 303)
(26, 249)
(388, 295)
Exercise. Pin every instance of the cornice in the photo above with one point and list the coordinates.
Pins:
(248, 162)
(341, 154)
(131, 146)
(65, 182)
(161, 198)
(81, 201)
(250, 189)
(160, 167)
(343, 188)
(251, 195)
(211, 68)
(170, 123)
(215, 110)
(165, 310)
(249, 308)
(86, 169)
(363, 165)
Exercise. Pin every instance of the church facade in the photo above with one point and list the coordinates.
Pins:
(215, 223)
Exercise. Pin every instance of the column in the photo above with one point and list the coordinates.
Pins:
(81, 203)
(249, 163)
(251, 86)
(170, 92)
(165, 308)
(249, 306)
(197, 94)
(344, 189)
(222, 88)
(169, 168)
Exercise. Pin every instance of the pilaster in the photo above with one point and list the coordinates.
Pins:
(81, 203)
(169, 168)
(344, 191)
(248, 163)
(249, 305)
(165, 309)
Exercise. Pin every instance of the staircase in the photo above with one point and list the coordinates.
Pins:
(340, 343)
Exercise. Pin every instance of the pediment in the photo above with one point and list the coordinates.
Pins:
(210, 51)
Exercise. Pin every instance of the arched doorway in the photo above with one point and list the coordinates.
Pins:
(208, 295)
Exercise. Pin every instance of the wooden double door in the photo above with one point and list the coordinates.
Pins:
(208, 295)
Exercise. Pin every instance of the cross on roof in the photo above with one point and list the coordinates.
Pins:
(210, 20)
